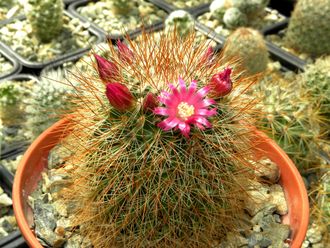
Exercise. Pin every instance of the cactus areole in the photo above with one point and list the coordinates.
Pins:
(161, 156)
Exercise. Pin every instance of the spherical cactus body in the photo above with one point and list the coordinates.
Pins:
(234, 18)
(46, 104)
(181, 21)
(249, 47)
(219, 7)
(316, 81)
(45, 17)
(309, 29)
(157, 160)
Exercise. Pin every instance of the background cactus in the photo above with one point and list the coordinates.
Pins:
(136, 185)
(316, 81)
(11, 111)
(249, 47)
(234, 18)
(181, 21)
(237, 13)
(309, 30)
(290, 118)
(48, 100)
(45, 17)
(121, 7)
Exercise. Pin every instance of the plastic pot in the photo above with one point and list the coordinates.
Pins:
(35, 161)
(163, 4)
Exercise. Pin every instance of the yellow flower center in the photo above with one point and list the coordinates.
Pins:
(185, 110)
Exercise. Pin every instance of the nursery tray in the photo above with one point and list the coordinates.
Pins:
(163, 4)
(267, 29)
(17, 67)
(292, 61)
(40, 65)
(73, 10)
(14, 239)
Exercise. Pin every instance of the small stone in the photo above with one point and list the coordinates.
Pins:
(267, 169)
(258, 197)
(277, 197)
(314, 234)
(258, 239)
(74, 242)
(5, 200)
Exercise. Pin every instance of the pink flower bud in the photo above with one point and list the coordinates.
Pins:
(125, 53)
(108, 71)
(119, 96)
(207, 56)
(150, 102)
(221, 83)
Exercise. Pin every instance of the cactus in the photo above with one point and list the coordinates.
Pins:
(121, 7)
(249, 47)
(11, 111)
(181, 21)
(309, 29)
(290, 118)
(316, 81)
(45, 17)
(250, 7)
(47, 102)
(234, 18)
(158, 159)
(219, 7)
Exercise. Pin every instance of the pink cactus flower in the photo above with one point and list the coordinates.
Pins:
(185, 107)
(150, 102)
(208, 55)
(119, 96)
(221, 83)
(125, 54)
(107, 70)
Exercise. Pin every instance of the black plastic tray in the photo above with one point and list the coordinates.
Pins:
(17, 67)
(14, 239)
(169, 7)
(39, 65)
(73, 10)
(268, 29)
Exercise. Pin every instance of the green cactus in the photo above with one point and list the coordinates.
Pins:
(121, 7)
(250, 7)
(181, 21)
(234, 18)
(47, 102)
(11, 111)
(316, 81)
(309, 29)
(45, 17)
(136, 180)
(290, 118)
(249, 47)
(219, 7)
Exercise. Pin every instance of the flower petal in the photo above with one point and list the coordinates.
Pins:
(168, 123)
(161, 111)
(185, 129)
(206, 112)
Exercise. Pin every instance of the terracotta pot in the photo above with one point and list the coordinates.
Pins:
(35, 159)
